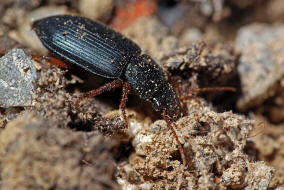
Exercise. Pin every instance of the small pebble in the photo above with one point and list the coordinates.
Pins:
(261, 63)
(17, 79)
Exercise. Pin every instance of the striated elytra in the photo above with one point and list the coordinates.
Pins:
(102, 51)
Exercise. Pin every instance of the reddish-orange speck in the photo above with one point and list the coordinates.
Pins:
(128, 14)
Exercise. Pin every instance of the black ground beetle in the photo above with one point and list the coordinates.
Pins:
(102, 51)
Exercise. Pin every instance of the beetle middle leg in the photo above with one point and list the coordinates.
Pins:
(107, 87)
(126, 87)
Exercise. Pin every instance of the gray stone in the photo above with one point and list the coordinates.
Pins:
(17, 79)
(261, 66)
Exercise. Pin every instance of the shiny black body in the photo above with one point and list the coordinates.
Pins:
(107, 53)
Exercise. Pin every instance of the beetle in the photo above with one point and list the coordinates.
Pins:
(107, 53)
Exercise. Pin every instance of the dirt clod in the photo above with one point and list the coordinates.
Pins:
(36, 155)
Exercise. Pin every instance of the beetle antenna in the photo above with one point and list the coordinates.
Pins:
(206, 89)
(209, 89)
(125, 92)
(51, 60)
(107, 87)
(169, 123)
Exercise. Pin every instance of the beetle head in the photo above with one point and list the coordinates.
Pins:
(167, 100)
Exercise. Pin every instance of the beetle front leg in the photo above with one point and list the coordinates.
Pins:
(180, 148)
(125, 92)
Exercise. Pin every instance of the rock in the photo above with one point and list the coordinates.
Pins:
(261, 63)
(17, 79)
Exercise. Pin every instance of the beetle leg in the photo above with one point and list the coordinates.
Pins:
(50, 60)
(125, 92)
(184, 99)
(2, 52)
(107, 87)
(208, 89)
(180, 148)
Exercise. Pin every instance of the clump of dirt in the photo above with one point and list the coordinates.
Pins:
(55, 103)
(52, 96)
(210, 64)
(214, 145)
(36, 155)
(268, 142)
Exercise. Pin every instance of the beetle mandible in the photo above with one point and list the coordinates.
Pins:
(104, 52)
